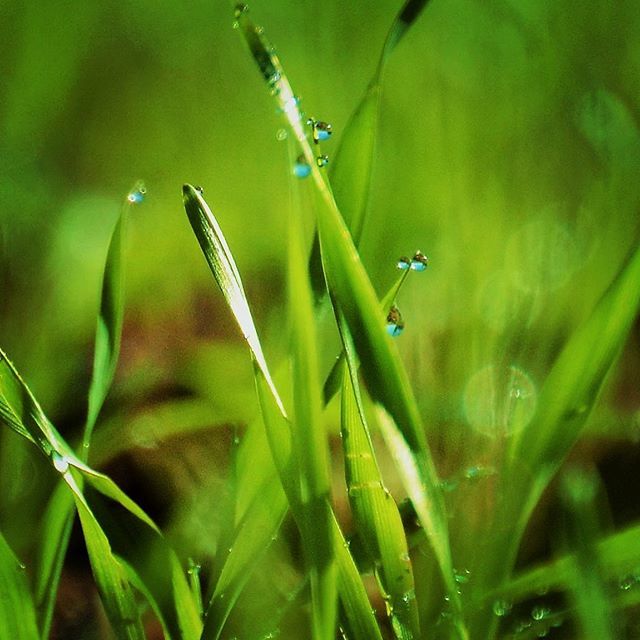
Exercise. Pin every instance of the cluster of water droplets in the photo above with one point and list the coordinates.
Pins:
(137, 194)
(419, 262)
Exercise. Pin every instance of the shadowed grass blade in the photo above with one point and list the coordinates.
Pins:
(220, 260)
(110, 575)
(310, 441)
(589, 590)
(23, 410)
(17, 612)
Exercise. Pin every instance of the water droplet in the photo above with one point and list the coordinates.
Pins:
(626, 582)
(320, 130)
(61, 463)
(540, 613)
(290, 105)
(499, 400)
(419, 262)
(322, 161)
(301, 168)
(199, 189)
(403, 263)
(476, 472)
(462, 577)
(137, 194)
(395, 323)
(405, 557)
(281, 134)
(502, 608)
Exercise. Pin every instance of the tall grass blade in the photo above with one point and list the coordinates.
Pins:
(375, 512)
(352, 169)
(358, 615)
(220, 260)
(17, 611)
(310, 440)
(354, 298)
(58, 517)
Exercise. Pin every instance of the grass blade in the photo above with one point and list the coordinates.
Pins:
(311, 441)
(110, 575)
(353, 297)
(58, 517)
(220, 260)
(376, 513)
(588, 588)
(17, 612)
(352, 169)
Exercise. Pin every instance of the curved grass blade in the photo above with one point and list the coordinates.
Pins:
(17, 612)
(572, 387)
(564, 404)
(375, 512)
(353, 297)
(311, 441)
(220, 260)
(23, 410)
(352, 169)
(58, 518)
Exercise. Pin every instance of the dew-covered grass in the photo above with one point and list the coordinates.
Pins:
(418, 420)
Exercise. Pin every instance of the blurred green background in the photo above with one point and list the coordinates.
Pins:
(508, 151)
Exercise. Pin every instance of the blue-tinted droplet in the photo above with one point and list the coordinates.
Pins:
(321, 130)
(301, 168)
(403, 263)
(419, 262)
(322, 161)
(137, 194)
(395, 323)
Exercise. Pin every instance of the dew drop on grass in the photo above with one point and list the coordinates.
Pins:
(395, 323)
(499, 400)
(462, 577)
(61, 463)
(137, 194)
(320, 130)
(301, 169)
(540, 613)
(239, 9)
(502, 608)
(322, 161)
(403, 263)
(419, 262)
(281, 134)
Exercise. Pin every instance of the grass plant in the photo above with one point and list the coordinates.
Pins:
(401, 565)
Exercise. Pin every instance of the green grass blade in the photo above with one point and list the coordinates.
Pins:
(572, 387)
(311, 440)
(351, 170)
(115, 590)
(252, 538)
(110, 315)
(17, 611)
(353, 297)
(589, 591)
(220, 260)
(355, 603)
(376, 514)
(58, 516)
